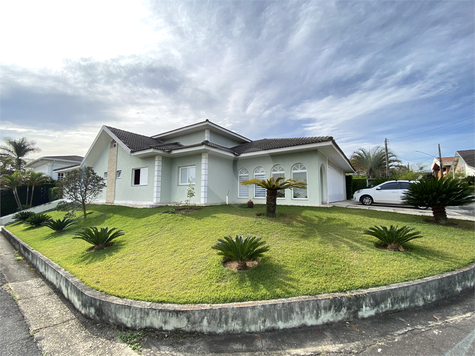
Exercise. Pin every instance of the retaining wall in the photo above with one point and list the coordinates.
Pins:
(247, 316)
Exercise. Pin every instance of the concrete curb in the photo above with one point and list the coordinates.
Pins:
(247, 316)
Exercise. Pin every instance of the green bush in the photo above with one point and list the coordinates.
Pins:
(23, 215)
(38, 220)
(392, 238)
(59, 224)
(99, 238)
(438, 193)
(240, 250)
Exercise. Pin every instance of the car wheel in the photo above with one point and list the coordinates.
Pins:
(422, 207)
(366, 200)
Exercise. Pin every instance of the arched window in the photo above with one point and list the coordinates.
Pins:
(299, 172)
(243, 190)
(276, 172)
(259, 192)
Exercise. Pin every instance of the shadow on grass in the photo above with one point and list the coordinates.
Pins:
(270, 276)
(98, 256)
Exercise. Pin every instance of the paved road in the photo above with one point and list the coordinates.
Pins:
(455, 212)
(15, 338)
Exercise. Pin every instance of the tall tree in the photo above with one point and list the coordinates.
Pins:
(272, 186)
(13, 181)
(82, 186)
(17, 149)
(372, 162)
(33, 179)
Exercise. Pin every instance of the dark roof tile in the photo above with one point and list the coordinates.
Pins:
(468, 156)
(275, 143)
(133, 141)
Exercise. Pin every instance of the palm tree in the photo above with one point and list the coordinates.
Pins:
(372, 162)
(17, 149)
(438, 193)
(13, 181)
(34, 179)
(272, 186)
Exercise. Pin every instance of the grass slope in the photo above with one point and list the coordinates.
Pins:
(168, 257)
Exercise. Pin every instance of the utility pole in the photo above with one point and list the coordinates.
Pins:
(387, 159)
(440, 161)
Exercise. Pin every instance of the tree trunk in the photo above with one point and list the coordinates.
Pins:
(17, 198)
(241, 266)
(440, 215)
(84, 209)
(271, 202)
(31, 199)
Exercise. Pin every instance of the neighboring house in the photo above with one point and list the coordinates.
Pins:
(49, 164)
(446, 164)
(156, 170)
(463, 163)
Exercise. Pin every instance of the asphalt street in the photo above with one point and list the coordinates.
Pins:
(15, 338)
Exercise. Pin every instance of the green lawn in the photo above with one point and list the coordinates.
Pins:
(168, 257)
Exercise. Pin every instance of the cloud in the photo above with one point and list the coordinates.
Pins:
(359, 71)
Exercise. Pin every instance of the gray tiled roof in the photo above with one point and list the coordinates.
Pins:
(274, 143)
(468, 156)
(133, 141)
(136, 142)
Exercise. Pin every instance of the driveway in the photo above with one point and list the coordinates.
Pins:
(453, 212)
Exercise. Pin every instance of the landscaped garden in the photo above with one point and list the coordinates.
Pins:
(168, 257)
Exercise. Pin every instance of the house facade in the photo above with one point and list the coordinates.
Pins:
(463, 163)
(49, 164)
(157, 170)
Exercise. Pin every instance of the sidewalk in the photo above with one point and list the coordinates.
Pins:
(58, 329)
(462, 212)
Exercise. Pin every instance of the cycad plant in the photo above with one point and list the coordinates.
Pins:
(241, 249)
(59, 224)
(38, 220)
(99, 238)
(23, 215)
(393, 237)
(272, 186)
(438, 193)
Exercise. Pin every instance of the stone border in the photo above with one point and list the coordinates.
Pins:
(246, 316)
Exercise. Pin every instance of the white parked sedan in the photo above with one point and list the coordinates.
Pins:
(390, 192)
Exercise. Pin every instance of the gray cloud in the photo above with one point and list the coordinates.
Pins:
(354, 70)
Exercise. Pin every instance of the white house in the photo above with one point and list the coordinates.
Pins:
(463, 163)
(156, 170)
(49, 164)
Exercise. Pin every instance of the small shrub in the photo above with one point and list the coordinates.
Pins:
(59, 224)
(38, 220)
(241, 250)
(99, 238)
(250, 204)
(23, 215)
(392, 238)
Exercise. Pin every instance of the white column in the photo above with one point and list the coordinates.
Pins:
(157, 182)
(204, 178)
(207, 135)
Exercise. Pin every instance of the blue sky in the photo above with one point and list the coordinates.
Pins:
(360, 71)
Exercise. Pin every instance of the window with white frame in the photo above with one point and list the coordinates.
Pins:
(299, 172)
(259, 192)
(243, 190)
(105, 175)
(140, 176)
(276, 172)
(118, 174)
(187, 175)
(60, 176)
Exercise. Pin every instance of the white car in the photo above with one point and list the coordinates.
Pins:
(390, 192)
